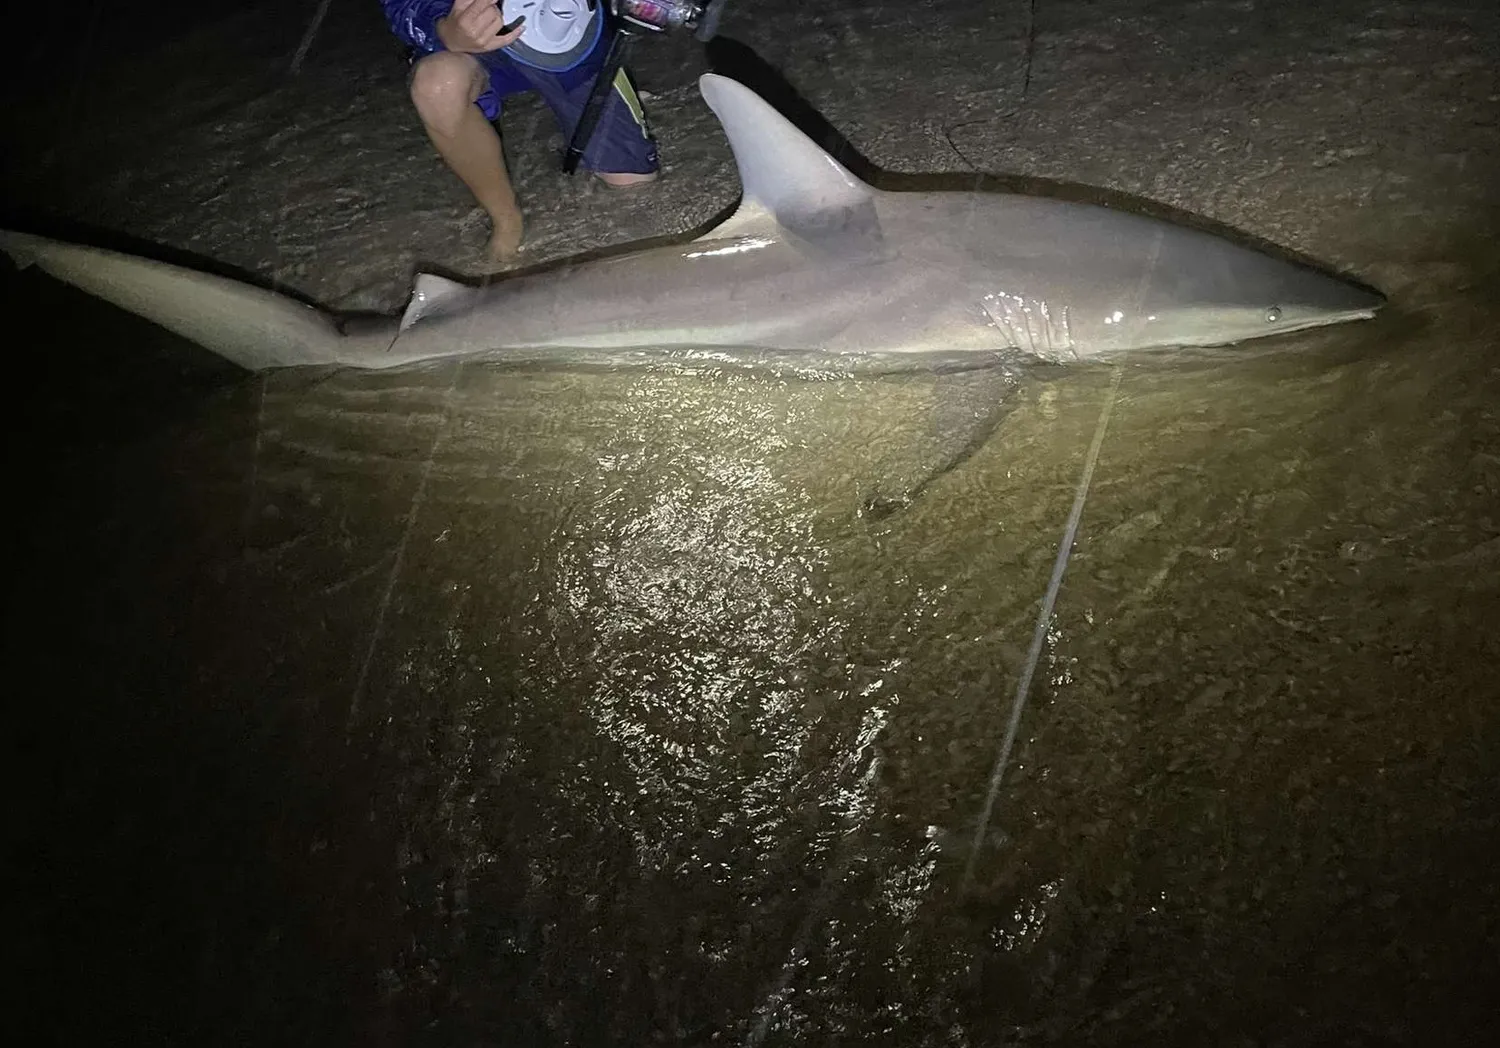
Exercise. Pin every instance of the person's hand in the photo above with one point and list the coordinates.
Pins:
(473, 27)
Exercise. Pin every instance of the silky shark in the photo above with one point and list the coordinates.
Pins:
(813, 261)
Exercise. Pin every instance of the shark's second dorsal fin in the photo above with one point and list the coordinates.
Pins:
(431, 295)
(788, 180)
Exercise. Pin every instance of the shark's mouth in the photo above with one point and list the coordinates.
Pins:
(1327, 320)
(1271, 338)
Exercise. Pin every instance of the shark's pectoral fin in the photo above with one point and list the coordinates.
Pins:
(967, 407)
(791, 184)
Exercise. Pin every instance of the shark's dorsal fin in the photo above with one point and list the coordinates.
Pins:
(789, 180)
(749, 219)
(432, 294)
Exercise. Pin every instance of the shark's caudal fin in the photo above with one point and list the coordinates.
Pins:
(789, 180)
(247, 325)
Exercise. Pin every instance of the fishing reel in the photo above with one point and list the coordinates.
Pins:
(660, 16)
(631, 18)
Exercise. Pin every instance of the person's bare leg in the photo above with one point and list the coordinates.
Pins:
(624, 93)
(444, 87)
(624, 179)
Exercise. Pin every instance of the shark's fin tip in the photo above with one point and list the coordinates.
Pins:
(432, 294)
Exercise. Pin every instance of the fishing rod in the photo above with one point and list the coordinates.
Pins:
(633, 18)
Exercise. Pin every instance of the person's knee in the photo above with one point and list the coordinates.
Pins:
(443, 86)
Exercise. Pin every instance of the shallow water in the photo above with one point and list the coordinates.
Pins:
(586, 706)
(703, 748)
(480, 705)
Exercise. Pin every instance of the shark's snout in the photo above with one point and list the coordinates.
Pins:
(1365, 301)
(1209, 291)
(1324, 292)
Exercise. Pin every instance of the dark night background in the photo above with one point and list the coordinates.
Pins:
(559, 708)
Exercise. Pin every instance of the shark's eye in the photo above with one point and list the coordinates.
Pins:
(1273, 314)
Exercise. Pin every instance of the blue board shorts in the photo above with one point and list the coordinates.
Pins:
(622, 141)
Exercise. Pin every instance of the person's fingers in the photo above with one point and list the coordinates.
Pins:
(506, 39)
(483, 25)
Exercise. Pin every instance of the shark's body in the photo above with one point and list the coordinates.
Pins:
(813, 261)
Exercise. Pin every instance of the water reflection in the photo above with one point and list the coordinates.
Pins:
(646, 732)
(687, 737)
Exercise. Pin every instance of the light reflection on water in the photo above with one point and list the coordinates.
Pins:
(684, 743)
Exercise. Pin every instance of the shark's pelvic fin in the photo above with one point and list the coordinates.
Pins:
(789, 181)
(247, 325)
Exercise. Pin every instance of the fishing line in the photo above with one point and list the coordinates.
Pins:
(307, 37)
(1044, 620)
(276, 283)
(1020, 97)
(1030, 51)
(377, 631)
(260, 421)
(83, 55)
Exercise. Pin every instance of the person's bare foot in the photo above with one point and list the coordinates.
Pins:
(625, 179)
(507, 230)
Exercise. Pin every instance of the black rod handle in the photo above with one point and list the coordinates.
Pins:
(603, 84)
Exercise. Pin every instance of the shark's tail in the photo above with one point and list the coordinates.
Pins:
(250, 326)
